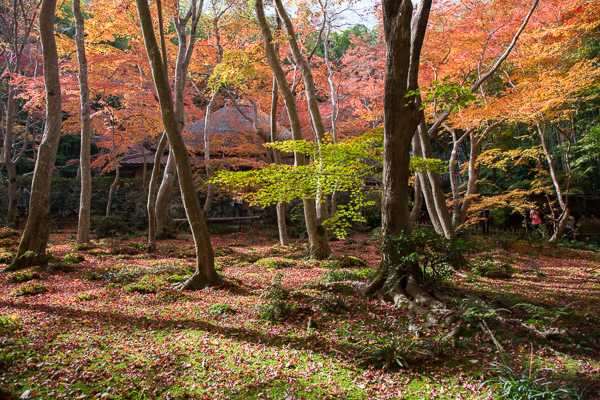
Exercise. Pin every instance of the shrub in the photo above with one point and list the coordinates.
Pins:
(126, 250)
(7, 232)
(74, 258)
(147, 284)
(6, 257)
(122, 273)
(110, 226)
(220, 309)
(85, 297)
(474, 309)
(273, 311)
(176, 278)
(496, 267)
(332, 303)
(83, 247)
(346, 275)
(9, 321)
(527, 384)
(29, 289)
(389, 352)
(277, 308)
(435, 255)
(273, 263)
(23, 276)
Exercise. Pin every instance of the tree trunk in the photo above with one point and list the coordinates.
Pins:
(32, 249)
(432, 178)
(401, 119)
(559, 227)
(205, 274)
(85, 197)
(332, 92)
(280, 208)
(318, 243)
(152, 193)
(111, 191)
(209, 172)
(417, 203)
(311, 98)
(421, 177)
(11, 172)
(164, 193)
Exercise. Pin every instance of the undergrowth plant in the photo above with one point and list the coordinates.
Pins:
(390, 352)
(220, 309)
(23, 276)
(30, 289)
(529, 383)
(436, 256)
(277, 307)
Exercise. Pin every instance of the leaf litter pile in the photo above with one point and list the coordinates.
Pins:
(104, 321)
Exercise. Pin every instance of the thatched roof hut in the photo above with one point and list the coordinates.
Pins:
(232, 134)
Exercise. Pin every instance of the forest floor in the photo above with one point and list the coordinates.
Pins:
(109, 325)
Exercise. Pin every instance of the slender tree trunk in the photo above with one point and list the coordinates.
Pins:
(438, 207)
(209, 172)
(85, 197)
(11, 172)
(11, 167)
(144, 168)
(311, 98)
(280, 208)
(111, 191)
(417, 203)
(152, 193)
(332, 92)
(426, 189)
(205, 274)
(317, 238)
(32, 249)
(164, 193)
(563, 218)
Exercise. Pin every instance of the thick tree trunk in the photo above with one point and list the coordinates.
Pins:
(318, 243)
(32, 249)
(205, 274)
(85, 197)
(152, 193)
(402, 116)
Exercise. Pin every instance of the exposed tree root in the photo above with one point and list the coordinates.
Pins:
(198, 282)
(550, 333)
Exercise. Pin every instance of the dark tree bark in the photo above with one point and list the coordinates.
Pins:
(18, 26)
(402, 116)
(205, 274)
(32, 249)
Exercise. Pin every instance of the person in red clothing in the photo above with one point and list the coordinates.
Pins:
(536, 218)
